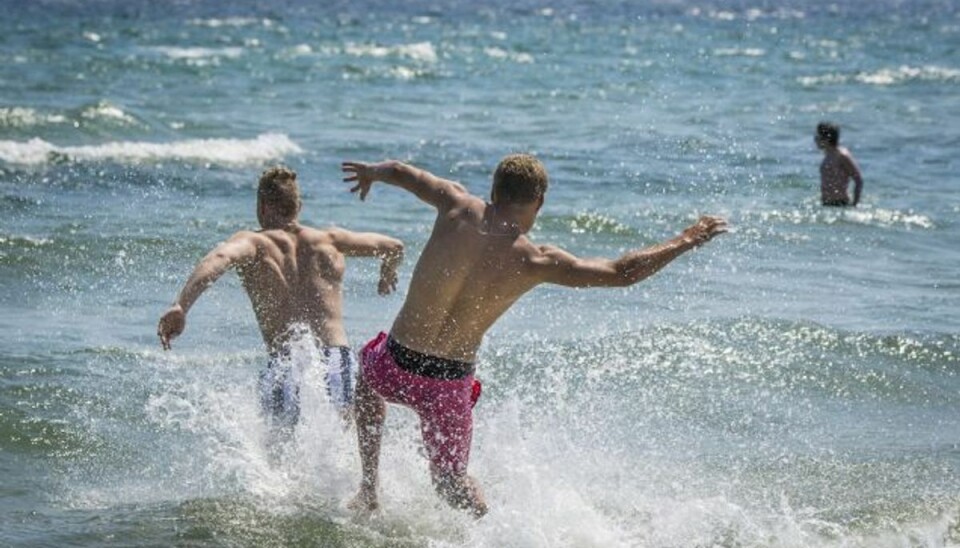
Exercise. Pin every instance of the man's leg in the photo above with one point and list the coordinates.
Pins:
(371, 412)
(447, 428)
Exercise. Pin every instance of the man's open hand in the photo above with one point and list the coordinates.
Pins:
(705, 229)
(361, 173)
(171, 325)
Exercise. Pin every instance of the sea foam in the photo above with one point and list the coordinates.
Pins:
(886, 76)
(19, 117)
(215, 23)
(267, 146)
(865, 215)
(421, 51)
(499, 53)
(106, 111)
(100, 112)
(194, 53)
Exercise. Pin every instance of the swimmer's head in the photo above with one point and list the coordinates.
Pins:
(520, 181)
(278, 197)
(827, 134)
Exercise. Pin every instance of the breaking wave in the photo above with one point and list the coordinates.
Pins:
(268, 146)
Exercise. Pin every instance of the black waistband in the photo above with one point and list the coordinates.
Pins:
(426, 365)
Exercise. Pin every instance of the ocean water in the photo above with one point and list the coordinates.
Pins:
(794, 383)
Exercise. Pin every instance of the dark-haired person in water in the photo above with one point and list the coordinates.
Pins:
(837, 168)
(293, 275)
(476, 264)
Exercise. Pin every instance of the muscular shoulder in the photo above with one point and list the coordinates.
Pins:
(247, 238)
(322, 239)
(245, 235)
(548, 263)
(535, 255)
(459, 193)
(461, 199)
(463, 208)
(240, 246)
(547, 255)
(311, 234)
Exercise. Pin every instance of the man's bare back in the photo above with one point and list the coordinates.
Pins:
(470, 272)
(293, 276)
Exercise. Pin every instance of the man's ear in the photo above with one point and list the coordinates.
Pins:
(540, 203)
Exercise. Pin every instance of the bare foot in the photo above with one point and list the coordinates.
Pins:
(364, 503)
(462, 492)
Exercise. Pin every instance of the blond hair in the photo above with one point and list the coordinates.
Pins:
(519, 179)
(278, 189)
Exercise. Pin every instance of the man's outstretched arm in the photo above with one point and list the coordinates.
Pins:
(559, 267)
(370, 244)
(223, 257)
(428, 187)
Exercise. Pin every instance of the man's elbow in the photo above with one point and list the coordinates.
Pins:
(392, 248)
(622, 280)
(626, 276)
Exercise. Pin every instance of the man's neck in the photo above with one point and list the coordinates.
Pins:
(503, 220)
(286, 225)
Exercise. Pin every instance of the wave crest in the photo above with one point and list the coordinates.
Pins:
(101, 111)
(865, 216)
(215, 23)
(268, 146)
(20, 117)
(421, 51)
(887, 76)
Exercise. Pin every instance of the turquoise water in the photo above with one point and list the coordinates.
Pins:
(792, 384)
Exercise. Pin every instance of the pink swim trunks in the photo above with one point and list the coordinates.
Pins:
(444, 405)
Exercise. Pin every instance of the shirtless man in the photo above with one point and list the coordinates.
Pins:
(837, 168)
(476, 264)
(293, 275)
